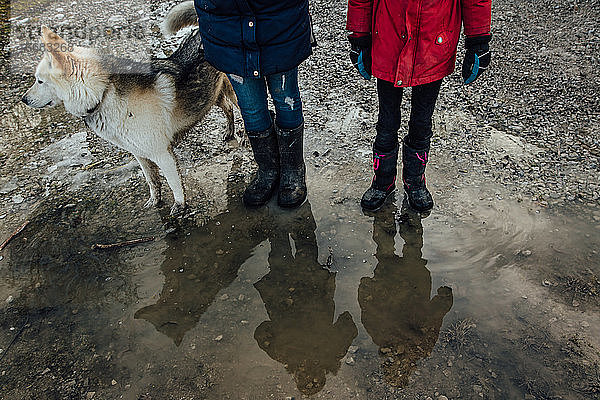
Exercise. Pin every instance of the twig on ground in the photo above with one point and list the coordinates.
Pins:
(11, 237)
(15, 338)
(122, 244)
(93, 165)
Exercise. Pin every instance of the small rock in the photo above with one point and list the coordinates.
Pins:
(526, 253)
(17, 199)
(585, 324)
(442, 397)
(224, 296)
(477, 388)
(350, 361)
(117, 19)
(353, 349)
(385, 350)
(6, 189)
(113, 382)
(219, 252)
(44, 372)
(9, 299)
(241, 297)
(90, 395)
(218, 338)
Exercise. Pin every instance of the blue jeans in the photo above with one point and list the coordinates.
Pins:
(252, 99)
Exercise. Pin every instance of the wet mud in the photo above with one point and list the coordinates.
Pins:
(321, 301)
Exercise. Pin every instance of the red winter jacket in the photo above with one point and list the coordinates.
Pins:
(414, 41)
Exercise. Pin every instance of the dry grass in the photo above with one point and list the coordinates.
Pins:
(459, 333)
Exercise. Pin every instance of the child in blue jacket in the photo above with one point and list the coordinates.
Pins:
(259, 44)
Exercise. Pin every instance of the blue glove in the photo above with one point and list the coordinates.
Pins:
(477, 57)
(360, 54)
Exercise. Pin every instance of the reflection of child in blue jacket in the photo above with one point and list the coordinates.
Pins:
(259, 45)
(304, 332)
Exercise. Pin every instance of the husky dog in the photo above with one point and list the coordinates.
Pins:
(143, 108)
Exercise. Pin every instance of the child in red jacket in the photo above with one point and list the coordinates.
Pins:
(412, 43)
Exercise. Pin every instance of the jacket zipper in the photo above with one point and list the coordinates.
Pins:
(417, 34)
(374, 18)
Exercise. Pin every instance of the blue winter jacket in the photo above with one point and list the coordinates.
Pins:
(254, 38)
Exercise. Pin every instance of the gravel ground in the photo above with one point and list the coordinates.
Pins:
(540, 94)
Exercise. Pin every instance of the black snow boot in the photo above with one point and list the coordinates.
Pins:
(292, 185)
(266, 155)
(413, 176)
(384, 181)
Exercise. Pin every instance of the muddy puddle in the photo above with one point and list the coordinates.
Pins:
(322, 301)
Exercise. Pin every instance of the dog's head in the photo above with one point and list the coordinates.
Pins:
(66, 74)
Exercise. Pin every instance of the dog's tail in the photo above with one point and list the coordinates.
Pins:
(179, 17)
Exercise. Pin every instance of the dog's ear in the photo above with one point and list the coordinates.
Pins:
(58, 49)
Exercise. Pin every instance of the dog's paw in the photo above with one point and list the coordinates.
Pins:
(177, 209)
(153, 202)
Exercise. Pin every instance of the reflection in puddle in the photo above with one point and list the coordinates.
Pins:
(298, 318)
(298, 294)
(303, 332)
(396, 309)
(201, 261)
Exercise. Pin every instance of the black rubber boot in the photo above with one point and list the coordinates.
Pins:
(266, 155)
(384, 181)
(292, 184)
(413, 176)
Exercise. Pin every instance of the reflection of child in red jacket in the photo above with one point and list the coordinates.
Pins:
(412, 43)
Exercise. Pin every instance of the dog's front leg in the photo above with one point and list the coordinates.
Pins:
(168, 165)
(150, 171)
